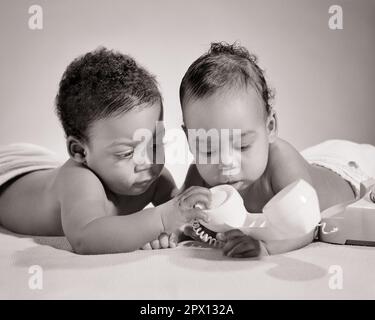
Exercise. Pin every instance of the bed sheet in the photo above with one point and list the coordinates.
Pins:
(190, 271)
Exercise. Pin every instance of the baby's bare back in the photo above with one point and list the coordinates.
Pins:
(29, 204)
(331, 188)
(287, 165)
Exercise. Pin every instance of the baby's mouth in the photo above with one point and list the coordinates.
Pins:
(143, 183)
(234, 183)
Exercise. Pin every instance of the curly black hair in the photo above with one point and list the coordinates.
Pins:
(100, 84)
(224, 65)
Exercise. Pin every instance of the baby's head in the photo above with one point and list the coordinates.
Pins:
(222, 92)
(104, 99)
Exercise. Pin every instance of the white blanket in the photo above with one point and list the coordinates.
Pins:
(21, 158)
(319, 271)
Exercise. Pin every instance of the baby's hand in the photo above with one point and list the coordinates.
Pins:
(190, 198)
(164, 241)
(239, 245)
(183, 208)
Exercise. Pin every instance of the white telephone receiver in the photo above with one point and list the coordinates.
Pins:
(292, 213)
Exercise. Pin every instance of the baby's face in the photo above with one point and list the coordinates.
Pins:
(126, 164)
(243, 159)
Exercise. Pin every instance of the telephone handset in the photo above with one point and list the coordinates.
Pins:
(291, 213)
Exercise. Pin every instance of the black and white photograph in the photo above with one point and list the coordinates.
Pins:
(203, 150)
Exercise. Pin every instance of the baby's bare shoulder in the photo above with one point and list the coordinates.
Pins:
(284, 153)
(282, 148)
(74, 180)
(286, 165)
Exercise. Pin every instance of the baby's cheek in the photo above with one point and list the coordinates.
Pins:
(209, 173)
(156, 169)
(253, 166)
(124, 174)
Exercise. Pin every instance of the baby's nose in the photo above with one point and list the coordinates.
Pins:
(230, 159)
(143, 166)
(229, 164)
(143, 161)
(227, 160)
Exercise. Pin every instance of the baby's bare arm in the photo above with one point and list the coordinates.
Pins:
(165, 189)
(88, 227)
(286, 165)
(91, 230)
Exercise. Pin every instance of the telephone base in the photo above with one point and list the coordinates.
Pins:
(353, 222)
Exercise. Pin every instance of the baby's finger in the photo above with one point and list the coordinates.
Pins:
(195, 189)
(246, 249)
(155, 244)
(164, 240)
(231, 234)
(240, 248)
(196, 213)
(172, 240)
(188, 230)
(147, 246)
(194, 199)
(230, 244)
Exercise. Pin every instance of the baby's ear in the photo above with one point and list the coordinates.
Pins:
(271, 124)
(76, 149)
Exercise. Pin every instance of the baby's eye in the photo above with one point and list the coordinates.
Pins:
(244, 148)
(208, 153)
(125, 155)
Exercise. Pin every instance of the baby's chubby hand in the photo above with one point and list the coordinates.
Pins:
(194, 198)
(236, 244)
(164, 241)
(183, 208)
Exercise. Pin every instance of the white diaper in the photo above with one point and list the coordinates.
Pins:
(354, 162)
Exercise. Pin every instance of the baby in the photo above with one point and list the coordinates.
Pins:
(225, 90)
(97, 197)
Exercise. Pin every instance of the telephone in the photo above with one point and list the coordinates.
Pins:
(351, 222)
(291, 213)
